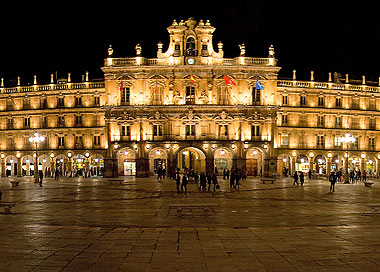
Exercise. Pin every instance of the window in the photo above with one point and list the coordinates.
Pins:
(223, 130)
(10, 123)
(320, 141)
(372, 123)
(255, 130)
(204, 50)
(27, 122)
(284, 100)
(96, 101)
(97, 140)
(284, 119)
(321, 101)
(303, 100)
(338, 122)
(285, 140)
(61, 121)
(125, 130)
(190, 130)
(320, 121)
(125, 96)
(157, 130)
(190, 47)
(337, 141)
(256, 96)
(338, 102)
(61, 141)
(78, 141)
(190, 95)
(371, 143)
(60, 103)
(78, 101)
(78, 120)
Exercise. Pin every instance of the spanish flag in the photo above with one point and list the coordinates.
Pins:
(192, 78)
(227, 80)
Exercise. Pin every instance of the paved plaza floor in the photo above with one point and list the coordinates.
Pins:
(95, 224)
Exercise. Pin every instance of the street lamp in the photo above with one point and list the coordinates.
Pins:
(347, 139)
(36, 139)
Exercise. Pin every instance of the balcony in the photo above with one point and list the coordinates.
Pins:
(196, 137)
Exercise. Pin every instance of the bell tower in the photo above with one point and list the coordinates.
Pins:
(190, 43)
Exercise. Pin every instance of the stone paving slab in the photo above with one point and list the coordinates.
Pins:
(94, 225)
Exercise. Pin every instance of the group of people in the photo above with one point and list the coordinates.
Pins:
(205, 181)
(357, 175)
(298, 176)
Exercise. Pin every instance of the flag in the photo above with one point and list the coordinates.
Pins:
(155, 87)
(121, 86)
(192, 78)
(227, 80)
(258, 85)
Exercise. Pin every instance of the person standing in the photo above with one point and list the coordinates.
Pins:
(232, 178)
(209, 180)
(41, 174)
(56, 173)
(214, 181)
(295, 177)
(177, 181)
(202, 182)
(332, 179)
(310, 174)
(302, 178)
(184, 184)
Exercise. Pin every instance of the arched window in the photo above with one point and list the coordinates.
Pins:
(190, 47)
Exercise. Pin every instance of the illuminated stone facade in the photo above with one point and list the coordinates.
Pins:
(190, 107)
(67, 114)
(182, 109)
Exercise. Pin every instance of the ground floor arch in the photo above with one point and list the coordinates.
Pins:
(320, 164)
(255, 162)
(191, 159)
(96, 162)
(126, 161)
(157, 160)
(222, 159)
(284, 165)
(11, 165)
(27, 164)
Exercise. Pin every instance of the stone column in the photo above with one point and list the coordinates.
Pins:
(3, 167)
(19, 167)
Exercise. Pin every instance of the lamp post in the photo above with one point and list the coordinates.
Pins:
(347, 139)
(36, 139)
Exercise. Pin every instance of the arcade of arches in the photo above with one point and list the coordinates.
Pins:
(324, 164)
(198, 159)
(68, 164)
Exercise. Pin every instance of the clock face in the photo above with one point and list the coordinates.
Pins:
(190, 61)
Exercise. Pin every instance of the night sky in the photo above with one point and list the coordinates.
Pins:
(72, 37)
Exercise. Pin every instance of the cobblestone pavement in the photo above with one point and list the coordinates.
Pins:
(144, 225)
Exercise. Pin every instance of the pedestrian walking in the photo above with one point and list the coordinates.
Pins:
(302, 178)
(209, 181)
(56, 173)
(309, 174)
(332, 179)
(184, 184)
(41, 175)
(232, 178)
(295, 177)
(178, 181)
(202, 182)
(214, 181)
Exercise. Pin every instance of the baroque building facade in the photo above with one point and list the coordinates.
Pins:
(190, 107)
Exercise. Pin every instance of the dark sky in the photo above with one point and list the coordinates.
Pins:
(74, 37)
